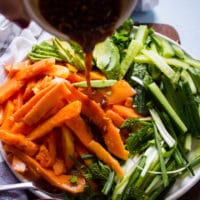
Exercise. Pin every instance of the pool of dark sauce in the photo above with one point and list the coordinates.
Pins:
(85, 21)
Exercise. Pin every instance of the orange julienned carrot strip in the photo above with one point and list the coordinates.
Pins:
(7, 118)
(60, 104)
(18, 101)
(9, 88)
(69, 111)
(38, 68)
(27, 106)
(8, 110)
(45, 103)
(125, 112)
(11, 69)
(42, 83)
(28, 93)
(1, 114)
(115, 117)
(62, 181)
(21, 127)
(80, 129)
(105, 156)
(19, 141)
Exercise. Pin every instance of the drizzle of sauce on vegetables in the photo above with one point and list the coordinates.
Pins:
(88, 65)
(84, 21)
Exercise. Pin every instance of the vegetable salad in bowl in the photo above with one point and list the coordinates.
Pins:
(133, 137)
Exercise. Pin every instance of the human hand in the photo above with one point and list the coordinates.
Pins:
(14, 11)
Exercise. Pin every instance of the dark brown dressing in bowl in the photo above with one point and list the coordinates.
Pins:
(85, 21)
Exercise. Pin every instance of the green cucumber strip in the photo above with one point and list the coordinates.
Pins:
(191, 110)
(160, 62)
(193, 62)
(96, 83)
(188, 142)
(177, 63)
(195, 75)
(141, 34)
(178, 51)
(140, 58)
(155, 90)
(133, 49)
(167, 50)
(186, 77)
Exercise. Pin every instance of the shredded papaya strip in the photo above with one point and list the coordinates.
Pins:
(95, 113)
(82, 150)
(68, 147)
(51, 146)
(59, 167)
(45, 103)
(47, 152)
(58, 71)
(69, 111)
(9, 88)
(18, 165)
(62, 181)
(129, 102)
(29, 104)
(96, 75)
(105, 156)
(80, 129)
(75, 77)
(125, 112)
(119, 92)
(115, 117)
(38, 68)
(19, 141)
(115, 145)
